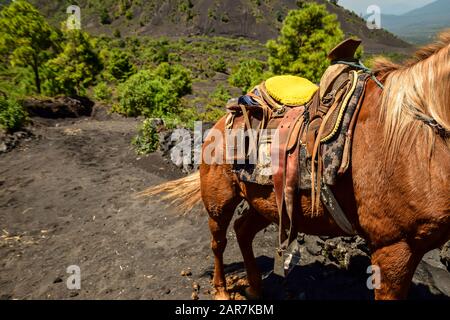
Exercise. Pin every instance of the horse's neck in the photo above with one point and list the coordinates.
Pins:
(415, 167)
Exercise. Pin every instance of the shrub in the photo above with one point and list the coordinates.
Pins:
(104, 17)
(218, 65)
(248, 74)
(179, 77)
(117, 33)
(213, 113)
(102, 92)
(173, 57)
(147, 139)
(119, 65)
(146, 94)
(12, 115)
(220, 95)
(215, 105)
(157, 51)
(225, 18)
(17, 81)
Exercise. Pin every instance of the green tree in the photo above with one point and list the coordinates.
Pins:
(26, 38)
(307, 35)
(75, 67)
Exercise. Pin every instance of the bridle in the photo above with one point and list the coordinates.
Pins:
(437, 128)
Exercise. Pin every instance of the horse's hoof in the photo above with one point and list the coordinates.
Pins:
(251, 294)
(222, 295)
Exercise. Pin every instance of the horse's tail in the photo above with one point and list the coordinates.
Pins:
(183, 193)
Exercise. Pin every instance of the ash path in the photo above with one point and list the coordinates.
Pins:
(67, 198)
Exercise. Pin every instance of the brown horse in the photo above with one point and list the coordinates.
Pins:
(396, 193)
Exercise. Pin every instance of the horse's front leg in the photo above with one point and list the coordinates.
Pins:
(246, 227)
(397, 263)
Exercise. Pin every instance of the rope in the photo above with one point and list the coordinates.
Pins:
(361, 66)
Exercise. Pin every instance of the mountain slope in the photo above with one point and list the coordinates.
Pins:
(422, 24)
(254, 19)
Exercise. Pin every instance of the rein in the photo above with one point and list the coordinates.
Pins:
(438, 128)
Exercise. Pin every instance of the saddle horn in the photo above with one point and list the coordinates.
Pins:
(345, 50)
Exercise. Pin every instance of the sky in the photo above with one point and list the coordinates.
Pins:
(386, 6)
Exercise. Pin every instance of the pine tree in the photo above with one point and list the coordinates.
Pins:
(26, 38)
(307, 35)
(75, 67)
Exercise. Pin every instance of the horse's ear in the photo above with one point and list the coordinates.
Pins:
(345, 50)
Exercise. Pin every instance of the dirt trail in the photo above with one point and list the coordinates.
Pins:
(67, 198)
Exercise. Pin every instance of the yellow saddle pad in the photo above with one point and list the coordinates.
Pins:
(290, 90)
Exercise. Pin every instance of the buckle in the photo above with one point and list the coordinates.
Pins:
(280, 111)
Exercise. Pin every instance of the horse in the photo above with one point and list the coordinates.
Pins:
(396, 192)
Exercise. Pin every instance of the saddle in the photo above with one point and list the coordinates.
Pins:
(314, 132)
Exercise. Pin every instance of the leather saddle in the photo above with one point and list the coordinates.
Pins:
(303, 131)
(298, 92)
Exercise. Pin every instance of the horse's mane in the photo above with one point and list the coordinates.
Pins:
(420, 88)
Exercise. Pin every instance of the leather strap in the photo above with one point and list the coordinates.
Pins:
(314, 159)
(345, 163)
(335, 210)
(285, 177)
(253, 140)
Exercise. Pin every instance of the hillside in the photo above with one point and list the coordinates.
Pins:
(254, 19)
(422, 24)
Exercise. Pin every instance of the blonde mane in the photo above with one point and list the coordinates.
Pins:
(418, 89)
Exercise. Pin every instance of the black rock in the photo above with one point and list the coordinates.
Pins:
(445, 255)
(9, 141)
(57, 280)
(314, 245)
(59, 107)
(358, 262)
